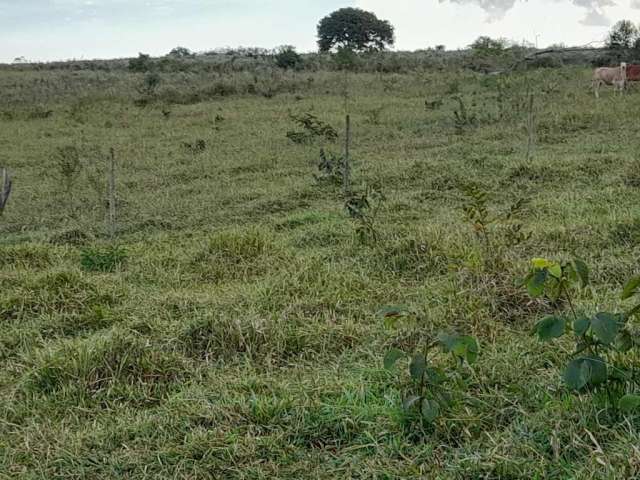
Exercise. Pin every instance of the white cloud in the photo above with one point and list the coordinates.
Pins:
(456, 23)
(495, 9)
(595, 9)
(595, 18)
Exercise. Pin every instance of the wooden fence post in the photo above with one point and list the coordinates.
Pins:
(5, 189)
(346, 174)
(112, 192)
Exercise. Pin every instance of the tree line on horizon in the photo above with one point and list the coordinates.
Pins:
(352, 31)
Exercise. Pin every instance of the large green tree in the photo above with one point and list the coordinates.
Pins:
(624, 34)
(354, 29)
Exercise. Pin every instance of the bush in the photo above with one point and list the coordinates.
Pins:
(287, 58)
(141, 64)
(181, 52)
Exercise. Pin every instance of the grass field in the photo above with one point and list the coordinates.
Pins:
(239, 339)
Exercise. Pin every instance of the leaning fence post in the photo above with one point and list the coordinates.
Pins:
(346, 170)
(531, 126)
(112, 192)
(5, 189)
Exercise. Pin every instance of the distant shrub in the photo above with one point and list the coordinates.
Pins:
(67, 162)
(545, 61)
(222, 89)
(463, 117)
(198, 146)
(287, 58)
(141, 64)
(150, 84)
(181, 52)
(330, 168)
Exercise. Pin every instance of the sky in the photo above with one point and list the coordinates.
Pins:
(45, 30)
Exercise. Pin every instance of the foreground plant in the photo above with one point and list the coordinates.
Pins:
(433, 386)
(603, 357)
(312, 128)
(486, 223)
(364, 209)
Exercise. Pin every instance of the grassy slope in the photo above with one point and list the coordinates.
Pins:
(239, 339)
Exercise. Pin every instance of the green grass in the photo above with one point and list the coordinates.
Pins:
(238, 339)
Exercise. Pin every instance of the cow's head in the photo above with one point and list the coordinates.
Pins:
(623, 66)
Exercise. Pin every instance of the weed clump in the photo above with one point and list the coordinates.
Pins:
(235, 255)
(196, 147)
(52, 294)
(118, 365)
(72, 236)
(627, 233)
(414, 257)
(102, 258)
(30, 256)
(632, 175)
(279, 339)
(330, 168)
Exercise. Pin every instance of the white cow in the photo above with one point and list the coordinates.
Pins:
(616, 76)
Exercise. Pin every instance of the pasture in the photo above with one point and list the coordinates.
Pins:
(237, 335)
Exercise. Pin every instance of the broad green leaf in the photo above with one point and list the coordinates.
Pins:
(435, 376)
(629, 403)
(598, 370)
(585, 371)
(470, 351)
(555, 270)
(574, 375)
(554, 290)
(463, 347)
(581, 325)
(535, 283)
(410, 401)
(447, 341)
(582, 270)
(631, 288)
(429, 409)
(392, 357)
(541, 263)
(551, 327)
(605, 326)
(417, 367)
